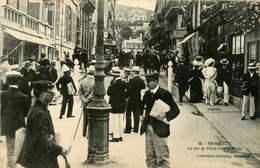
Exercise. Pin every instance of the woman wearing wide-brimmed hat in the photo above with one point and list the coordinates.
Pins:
(210, 74)
(250, 91)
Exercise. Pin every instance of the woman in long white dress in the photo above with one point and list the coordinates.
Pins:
(210, 74)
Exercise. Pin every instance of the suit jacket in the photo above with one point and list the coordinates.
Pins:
(117, 93)
(14, 108)
(251, 82)
(224, 75)
(182, 76)
(63, 81)
(39, 149)
(160, 128)
(135, 85)
(86, 86)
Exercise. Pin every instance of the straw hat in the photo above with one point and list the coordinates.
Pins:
(252, 66)
(209, 61)
(224, 61)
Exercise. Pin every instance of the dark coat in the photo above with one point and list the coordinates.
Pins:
(117, 93)
(44, 62)
(135, 85)
(196, 86)
(28, 74)
(39, 149)
(251, 83)
(182, 76)
(224, 75)
(160, 128)
(14, 108)
(63, 81)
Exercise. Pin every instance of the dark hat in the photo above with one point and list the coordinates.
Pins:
(43, 55)
(152, 76)
(41, 86)
(224, 61)
(32, 57)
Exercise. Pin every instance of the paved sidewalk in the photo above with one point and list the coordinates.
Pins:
(227, 120)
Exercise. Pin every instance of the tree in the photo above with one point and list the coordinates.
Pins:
(126, 32)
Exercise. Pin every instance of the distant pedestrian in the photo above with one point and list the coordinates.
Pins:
(116, 91)
(223, 80)
(40, 149)
(181, 78)
(44, 61)
(34, 65)
(135, 85)
(67, 90)
(86, 85)
(210, 74)
(157, 131)
(146, 61)
(250, 91)
(14, 109)
(195, 83)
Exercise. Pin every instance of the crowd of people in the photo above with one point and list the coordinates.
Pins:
(27, 92)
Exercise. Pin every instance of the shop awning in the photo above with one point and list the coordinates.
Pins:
(26, 37)
(187, 38)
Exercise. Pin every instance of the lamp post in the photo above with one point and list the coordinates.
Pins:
(98, 109)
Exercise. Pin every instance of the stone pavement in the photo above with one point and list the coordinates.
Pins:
(227, 120)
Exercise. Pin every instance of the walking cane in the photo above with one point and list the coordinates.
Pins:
(77, 126)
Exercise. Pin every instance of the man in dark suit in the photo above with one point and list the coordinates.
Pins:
(14, 108)
(67, 97)
(135, 85)
(157, 131)
(250, 82)
(39, 148)
(182, 78)
(116, 92)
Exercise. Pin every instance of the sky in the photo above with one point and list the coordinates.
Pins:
(147, 4)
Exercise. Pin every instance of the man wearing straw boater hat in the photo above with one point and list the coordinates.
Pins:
(14, 108)
(223, 81)
(156, 127)
(67, 89)
(117, 93)
(250, 82)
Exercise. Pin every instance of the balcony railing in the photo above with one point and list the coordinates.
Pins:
(25, 21)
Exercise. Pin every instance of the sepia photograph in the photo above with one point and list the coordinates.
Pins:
(130, 83)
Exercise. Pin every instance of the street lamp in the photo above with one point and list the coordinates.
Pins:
(98, 109)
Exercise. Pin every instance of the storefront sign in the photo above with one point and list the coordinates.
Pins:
(179, 33)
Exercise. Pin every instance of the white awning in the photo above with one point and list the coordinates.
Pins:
(186, 38)
(27, 37)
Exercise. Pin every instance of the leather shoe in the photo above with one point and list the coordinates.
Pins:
(226, 104)
(135, 131)
(60, 117)
(243, 118)
(120, 139)
(70, 116)
(114, 140)
(252, 118)
(127, 132)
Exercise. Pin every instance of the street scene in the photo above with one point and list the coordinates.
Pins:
(130, 84)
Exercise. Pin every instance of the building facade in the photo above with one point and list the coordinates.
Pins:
(38, 26)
